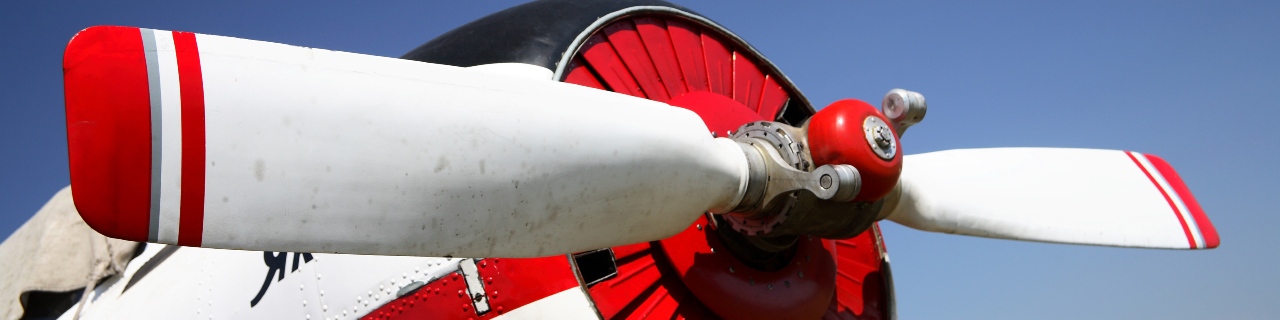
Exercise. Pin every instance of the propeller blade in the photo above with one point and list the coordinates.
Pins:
(219, 142)
(1077, 196)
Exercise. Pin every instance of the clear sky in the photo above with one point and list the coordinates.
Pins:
(1194, 82)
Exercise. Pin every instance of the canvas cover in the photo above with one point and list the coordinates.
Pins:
(56, 251)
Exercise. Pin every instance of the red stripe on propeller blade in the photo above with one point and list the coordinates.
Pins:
(1207, 231)
(191, 223)
(1191, 241)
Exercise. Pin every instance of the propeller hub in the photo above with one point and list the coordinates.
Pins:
(779, 170)
(853, 132)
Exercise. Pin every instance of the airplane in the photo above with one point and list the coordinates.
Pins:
(744, 261)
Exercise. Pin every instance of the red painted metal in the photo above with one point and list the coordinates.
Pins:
(646, 287)
(109, 130)
(800, 290)
(677, 278)
(508, 284)
(658, 44)
(599, 53)
(860, 284)
(748, 81)
(191, 92)
(626, 42)
(836, 137)
(772, 97)
(686, 40)
(720, 113)
(582, 76)
(719, 61)
(1207, 231)
(439, 299)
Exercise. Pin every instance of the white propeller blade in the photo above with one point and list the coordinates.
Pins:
(1078, 196)
(220, 142)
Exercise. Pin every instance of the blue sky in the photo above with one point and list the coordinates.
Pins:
(1194, 82)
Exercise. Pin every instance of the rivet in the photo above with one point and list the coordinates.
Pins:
(699, 226)
(770, 287)
(787, 283)
(801, 274)
(304, 303)
(713, 250)
(321, 293)
(730, 269)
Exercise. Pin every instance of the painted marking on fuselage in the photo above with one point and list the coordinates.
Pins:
(475, 287)
(276, 262)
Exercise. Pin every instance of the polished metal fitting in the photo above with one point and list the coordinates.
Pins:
(880, 137)
(785, 139)
(778, 168)
(903, 108)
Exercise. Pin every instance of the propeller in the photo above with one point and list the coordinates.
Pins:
(1076, 196)
(219, 142)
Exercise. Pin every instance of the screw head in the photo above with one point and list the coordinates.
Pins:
(883, 136)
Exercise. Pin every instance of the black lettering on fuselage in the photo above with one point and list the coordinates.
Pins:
(275, 269)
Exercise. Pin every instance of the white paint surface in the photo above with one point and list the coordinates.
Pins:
(522, 70)
(1173, 197)
(1079, 196)
(199, 283)
(568, 304)
(321, 151)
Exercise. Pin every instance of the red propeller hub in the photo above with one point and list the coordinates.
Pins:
(853, 132)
